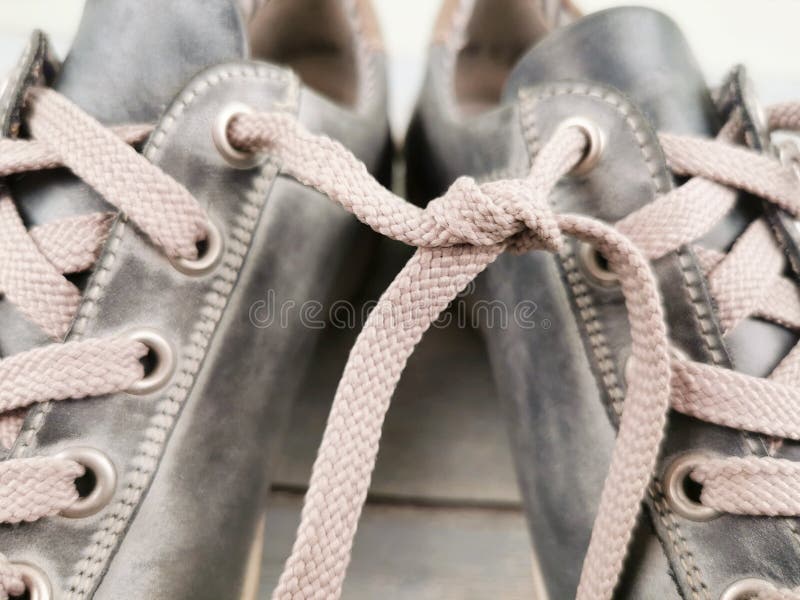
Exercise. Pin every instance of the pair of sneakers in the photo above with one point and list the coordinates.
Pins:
(158, 181)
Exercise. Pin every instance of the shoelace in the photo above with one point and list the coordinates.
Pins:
(462, 232)
(33, 268)
(458, 235)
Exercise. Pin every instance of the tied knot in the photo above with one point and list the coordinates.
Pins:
(509, 211)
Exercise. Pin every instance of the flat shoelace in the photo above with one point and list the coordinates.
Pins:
(458, 235)
(33, 268)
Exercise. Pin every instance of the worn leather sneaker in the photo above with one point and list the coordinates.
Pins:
(141, 402)
(689, 180)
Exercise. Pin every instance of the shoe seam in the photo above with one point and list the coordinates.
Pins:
(592, 325)
(737, 96)
(98, 551)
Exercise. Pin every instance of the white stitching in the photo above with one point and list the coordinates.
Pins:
(582, 293)
(676, 538)
(144, 464)
(707, 329)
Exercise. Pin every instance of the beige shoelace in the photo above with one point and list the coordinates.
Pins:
(458, 235)
(33, 268)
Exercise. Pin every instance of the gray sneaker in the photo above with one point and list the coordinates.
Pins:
(688, 180)
(143, 379)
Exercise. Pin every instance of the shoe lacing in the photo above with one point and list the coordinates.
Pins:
(458, 235)
(34, 265)
(462, 232)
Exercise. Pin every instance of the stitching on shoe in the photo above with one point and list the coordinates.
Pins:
(708, 330)
(677, 539)
(584, 300)
(97, 552)
(702, 313)
(580, 289)
(22, 68)
(736, 95)
(87, 311)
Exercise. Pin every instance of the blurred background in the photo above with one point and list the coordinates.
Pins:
(759, 33)
(444, 520)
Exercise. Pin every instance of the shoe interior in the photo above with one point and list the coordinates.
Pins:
(316, 38)
(497, 34)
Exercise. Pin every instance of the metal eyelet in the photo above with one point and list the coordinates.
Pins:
(208, 258)
(675, 479)
(238, 159)
(746, 589)
(626, 369)
(37, 585)
(105, 480)
(595, 266)
(163, 361)
(594, 137)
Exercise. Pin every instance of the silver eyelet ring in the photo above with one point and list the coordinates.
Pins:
(746, 589)
(238, 159)
(675, 490)
(212, 254)
(105, 476)
(590, 259)
(626, 369)
(37, 585)
(595, 138)
(759, 113)
(164, 359)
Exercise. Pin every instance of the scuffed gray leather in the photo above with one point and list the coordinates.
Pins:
(193, 459)
(129, 60)
(629, 71)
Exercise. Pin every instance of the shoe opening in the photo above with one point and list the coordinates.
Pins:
(496, 35)
(318, 39)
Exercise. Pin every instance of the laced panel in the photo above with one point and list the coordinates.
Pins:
(747, 281)
(34, 264)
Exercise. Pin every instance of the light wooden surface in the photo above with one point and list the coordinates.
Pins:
(419, 553)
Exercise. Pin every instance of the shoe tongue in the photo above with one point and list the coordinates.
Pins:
(130, 58)
(640, 52)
